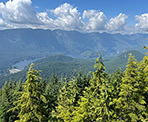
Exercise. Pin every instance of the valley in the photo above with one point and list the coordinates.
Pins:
(27, 44)
(66, 66)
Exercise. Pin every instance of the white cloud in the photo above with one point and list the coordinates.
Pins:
(47, 22)
(18, 11)
(4, 25)
(67, 17)
(1, 22)
(142, 22)
(21, 14)
(96, 20)
(117, 23)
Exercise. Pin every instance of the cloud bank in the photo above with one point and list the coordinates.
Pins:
(142, 22)
(21, 14)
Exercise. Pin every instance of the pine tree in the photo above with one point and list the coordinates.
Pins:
(94, 105)
(4, 103)
(31, 102)
(7, 98)
(82, 81)
(143, 81)
(115, 83)
(131, 102)
(67, 101)
(52, 93)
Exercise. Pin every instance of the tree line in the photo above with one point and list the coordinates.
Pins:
(94, 97)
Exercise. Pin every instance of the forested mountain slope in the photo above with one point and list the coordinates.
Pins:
(20, 44)
(99, 96)
(67, 66)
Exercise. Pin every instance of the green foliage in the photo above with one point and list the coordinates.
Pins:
(67, 101)
(31, 102)
(94, 105)
(131, 102)
(67, 66)
(95, 97)
(52, 93)
(121, 60)
(7, 97)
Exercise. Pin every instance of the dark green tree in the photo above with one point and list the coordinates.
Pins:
(115, 83)
(7, 98)
(52, 93)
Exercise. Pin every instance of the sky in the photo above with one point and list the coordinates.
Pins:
(114, 16)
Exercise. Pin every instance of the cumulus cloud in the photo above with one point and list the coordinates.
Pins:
(18, 11)
(142, 22)
(117, 23)
(21, 14)
(96, 20)
(67, 17)
(1, 22)
(4, 25)
(47, 22)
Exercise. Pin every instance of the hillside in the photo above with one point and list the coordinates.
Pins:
(121, 60)
(67, 66)
(59, 64)
(20, 44)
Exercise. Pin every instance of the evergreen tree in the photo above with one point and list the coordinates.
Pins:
(82, 81)
(31, 102)
(52, 93)
(4, 103)
(131, 102)
(67, 101)
(94, 105)
(7, 98)
(115, 83)
(143, 82)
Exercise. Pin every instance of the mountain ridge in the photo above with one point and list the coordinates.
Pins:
(20, 44)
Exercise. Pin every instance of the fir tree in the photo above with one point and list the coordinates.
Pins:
(6, 102)
(131, 102)
(31, 102)
(143, 81)
(94, 105)
(67, 101)
(52, 93)
(115, 82)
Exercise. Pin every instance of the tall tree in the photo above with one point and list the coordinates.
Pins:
(131, 102)
(143, 81)
(52, 93)
(7, 98)
(31, 103)
(67, 101)
(94, 105)
(115, 83)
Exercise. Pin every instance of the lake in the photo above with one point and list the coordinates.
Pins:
(22, 64)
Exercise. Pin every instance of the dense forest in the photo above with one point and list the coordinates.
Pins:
(95, 97)
(67, 66)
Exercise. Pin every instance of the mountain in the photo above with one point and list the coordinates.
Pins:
(67, 66)
(59, 64)
(20, 44)
(121, 60)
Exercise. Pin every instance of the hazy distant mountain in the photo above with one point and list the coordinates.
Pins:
(17, 44)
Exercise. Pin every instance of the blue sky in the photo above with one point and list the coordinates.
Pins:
(82, 15)
(109, 7)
